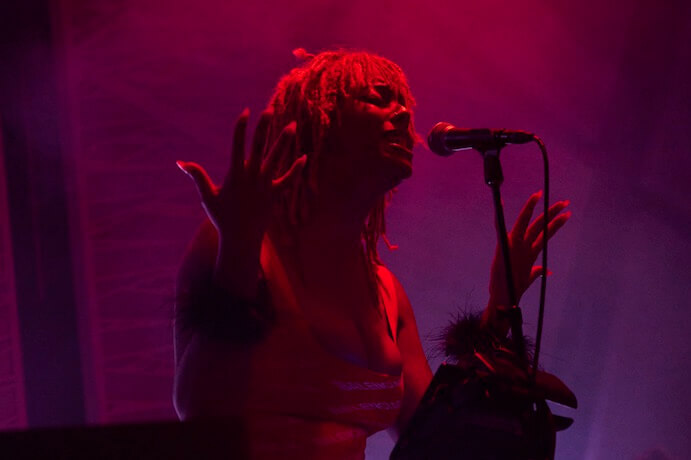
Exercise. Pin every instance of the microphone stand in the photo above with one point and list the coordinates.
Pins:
(494, 177)
(489, 404)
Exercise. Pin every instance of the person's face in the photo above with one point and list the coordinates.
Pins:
(372, 135)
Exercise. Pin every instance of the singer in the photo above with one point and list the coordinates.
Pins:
(285, 314)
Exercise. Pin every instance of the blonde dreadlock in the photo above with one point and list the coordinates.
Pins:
(312, 95)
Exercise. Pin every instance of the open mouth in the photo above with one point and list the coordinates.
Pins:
(399, 140)
(400, 150)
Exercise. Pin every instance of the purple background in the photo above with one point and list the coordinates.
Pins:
(146, 83)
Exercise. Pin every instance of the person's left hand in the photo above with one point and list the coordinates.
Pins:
(525, 243)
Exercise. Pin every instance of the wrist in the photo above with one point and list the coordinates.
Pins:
(496, 318)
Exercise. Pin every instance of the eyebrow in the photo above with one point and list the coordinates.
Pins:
(384, 89)
(387, 91)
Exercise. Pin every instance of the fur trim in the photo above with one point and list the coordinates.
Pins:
(466, 335)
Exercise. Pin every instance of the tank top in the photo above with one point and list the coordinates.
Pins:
(303, 401)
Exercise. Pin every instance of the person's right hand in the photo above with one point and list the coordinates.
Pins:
(242, 206)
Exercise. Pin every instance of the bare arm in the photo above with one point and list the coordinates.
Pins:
(221, 266)
(218, 283)
(197, 265)
(525, 243)
(208, 374)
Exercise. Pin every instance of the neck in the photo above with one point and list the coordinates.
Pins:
(336, 221)
(345, 196)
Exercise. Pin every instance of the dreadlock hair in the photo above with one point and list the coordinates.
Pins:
(312, 95)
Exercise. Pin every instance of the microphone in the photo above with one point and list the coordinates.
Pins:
(444, 139)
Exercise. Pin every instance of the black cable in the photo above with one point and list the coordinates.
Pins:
(543, 283)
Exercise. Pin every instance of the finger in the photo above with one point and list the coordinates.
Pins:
(238, 153)
(552, 228)
(285, 141)
(205, 185)
(259, 142)
(293, 173)
(536, 227)
(535, 273)
(524, 216)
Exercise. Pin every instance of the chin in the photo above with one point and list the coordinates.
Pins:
(402, 174)
(404, 168)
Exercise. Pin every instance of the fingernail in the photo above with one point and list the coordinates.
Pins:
(567, 202)
(181, 165)
(568, 214)
(245, 113)
(539, 194)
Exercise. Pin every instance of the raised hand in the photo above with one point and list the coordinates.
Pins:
(525, 243)
(241, 207)
(242, 204)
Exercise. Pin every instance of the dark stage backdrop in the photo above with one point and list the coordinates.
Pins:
(142, 83)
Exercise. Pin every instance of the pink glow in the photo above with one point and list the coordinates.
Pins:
(606, 87)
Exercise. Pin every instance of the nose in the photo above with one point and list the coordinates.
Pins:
(401, 117)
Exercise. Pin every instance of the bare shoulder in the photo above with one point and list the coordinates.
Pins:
(404, 309)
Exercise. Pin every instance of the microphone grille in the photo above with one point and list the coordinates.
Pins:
(436, 138)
